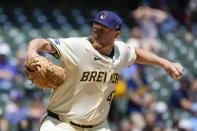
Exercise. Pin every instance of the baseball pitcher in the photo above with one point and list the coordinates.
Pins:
(89, 71)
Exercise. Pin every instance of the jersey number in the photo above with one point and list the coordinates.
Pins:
(109, 98)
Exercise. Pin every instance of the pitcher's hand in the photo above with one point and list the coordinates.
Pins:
(175, 70)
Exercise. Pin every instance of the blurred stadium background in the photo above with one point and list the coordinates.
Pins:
(146, 98)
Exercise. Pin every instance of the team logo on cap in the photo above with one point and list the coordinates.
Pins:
(103, 15)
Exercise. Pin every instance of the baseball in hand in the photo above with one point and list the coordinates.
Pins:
(177, 77)
(176, 71)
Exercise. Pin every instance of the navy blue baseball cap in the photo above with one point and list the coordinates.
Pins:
(108, 19)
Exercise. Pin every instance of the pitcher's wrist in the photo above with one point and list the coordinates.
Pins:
(32, 54)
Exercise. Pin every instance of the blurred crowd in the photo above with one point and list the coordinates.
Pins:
(135, 107)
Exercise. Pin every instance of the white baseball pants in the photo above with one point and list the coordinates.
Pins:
(52, 124)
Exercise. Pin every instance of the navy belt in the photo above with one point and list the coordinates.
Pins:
(56, 116)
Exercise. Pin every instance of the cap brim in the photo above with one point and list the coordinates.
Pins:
(99, 22)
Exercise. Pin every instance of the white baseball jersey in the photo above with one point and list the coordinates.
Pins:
(86, 94)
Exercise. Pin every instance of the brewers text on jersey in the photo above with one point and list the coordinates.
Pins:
(99, 76)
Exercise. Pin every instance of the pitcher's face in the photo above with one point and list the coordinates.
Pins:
(102, 34)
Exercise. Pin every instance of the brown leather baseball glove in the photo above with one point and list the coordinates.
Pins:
(44, 73)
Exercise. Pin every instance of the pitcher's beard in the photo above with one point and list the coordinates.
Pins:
(102, 48)
(97, 46)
